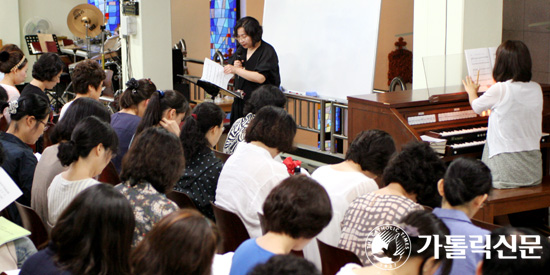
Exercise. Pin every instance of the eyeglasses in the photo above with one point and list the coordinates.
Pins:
(47, 125)
(242, 36)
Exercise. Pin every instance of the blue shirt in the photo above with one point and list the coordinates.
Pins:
(125, 126)
(459, 224)
(247, 256)
(42, 263)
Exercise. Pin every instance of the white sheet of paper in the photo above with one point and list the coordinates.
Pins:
(213, 73)
(9, 191)
(481, 60)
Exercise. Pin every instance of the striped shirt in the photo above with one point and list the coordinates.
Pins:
(61, 192)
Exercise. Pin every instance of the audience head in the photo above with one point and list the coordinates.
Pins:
(425, 223)
(513, 61)
(202, 129)
(88, 78)
(265, 95)
(183, 242)
(92, 139)
(248, 28)
(93, 235)
(3, 100)
(417, 168)
(372, 150)
(48, 69)
(285, 265)
(13, 62)
(136, 95)
(78, 110)
(29, 117)
(521, 241)
(466, 181)
(298, 207)
(156, 156)
(273, 127)
(164, 104)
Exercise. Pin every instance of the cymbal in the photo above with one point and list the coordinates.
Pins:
(82, 15)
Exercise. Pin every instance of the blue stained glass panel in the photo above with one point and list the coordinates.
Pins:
(223, 16)
(111, 9)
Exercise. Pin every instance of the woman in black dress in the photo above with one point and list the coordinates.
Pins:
(255, 63)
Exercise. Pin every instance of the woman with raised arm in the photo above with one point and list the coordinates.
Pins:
(167, 109)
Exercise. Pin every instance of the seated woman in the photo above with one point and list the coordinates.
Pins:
(150, 169)
(415, 224)
(464, 188)
(92, 236)
(295, 211)
(184, 242)
(200, 132)
(265, 95)
(46, 73)
(411, 181)
(86, 154)
(167, 109)
(49, 165)
(252, 172)
(133, 103)
(14, 66)
(29, 114)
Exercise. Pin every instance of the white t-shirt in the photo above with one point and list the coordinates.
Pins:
(342, 188)
(64, 109)
(515, 123)
(246, 179)
(348, 269)
(61, 192)
(13, 94)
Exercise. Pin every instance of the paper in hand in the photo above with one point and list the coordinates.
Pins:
(213, 72)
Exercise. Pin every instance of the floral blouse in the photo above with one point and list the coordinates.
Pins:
(149, 206)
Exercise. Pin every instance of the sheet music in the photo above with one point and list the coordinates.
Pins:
(9, 191)
(481, 60)
(10, 231)
(213, 72)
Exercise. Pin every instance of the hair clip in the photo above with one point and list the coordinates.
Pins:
(12, 108)
(194, 116)
(161, 93)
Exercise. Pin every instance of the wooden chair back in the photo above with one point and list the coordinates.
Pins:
(231, 228)
(334, 258)
(33, 223)
(109, 175)
(181, 199)
(221, 155)
(485, 225)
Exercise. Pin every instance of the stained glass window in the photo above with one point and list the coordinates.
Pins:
(111, 9)
(223, 15)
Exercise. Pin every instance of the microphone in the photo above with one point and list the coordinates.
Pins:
(240, 54)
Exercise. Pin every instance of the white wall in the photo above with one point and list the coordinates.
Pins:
(9, 20)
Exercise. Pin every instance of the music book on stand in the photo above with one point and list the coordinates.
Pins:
(214, 80)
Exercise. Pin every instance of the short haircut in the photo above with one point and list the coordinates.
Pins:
(466, 179)
(265, 95)
(417, 168)
(372, 150)
(88, 133)
(193, 132)
(160, 102)
(274, 127)
(298, 207)
(513, 61)
(155, 156)
(97, 224)
(251, 27)
(47, 67)
(78, 110)
(183, 242)
(86, 73)
(136, 92)
(10, 56)
(519, 264)
(285, 265)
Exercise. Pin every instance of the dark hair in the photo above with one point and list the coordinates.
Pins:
(518, 264)
(31, 105)
(136, 92)
(47, 67)
(93, 235)
(285, 265)
(80, 108)
(86, 73)
(161, 101)
(183, 242)
(297, 207)
(205, 116)
(513, 61)
(372, 150)
(263, 96)
(10, 56)
(251, 27)
(274, 127)
(88, 133)
(466, 179)
(3, 99)
(156, 156)
(425, 223)
(417, 168)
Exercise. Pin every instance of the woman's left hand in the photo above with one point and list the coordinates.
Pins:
(470, 86)
(230, 69)
(170, 125)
